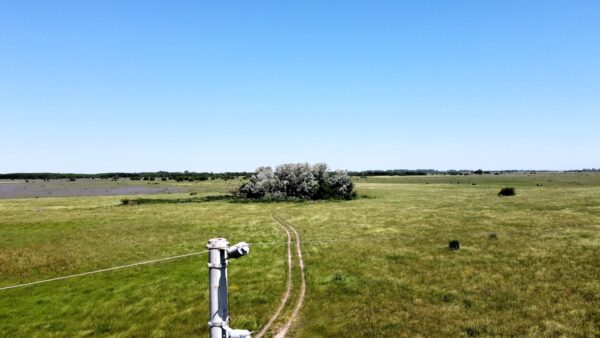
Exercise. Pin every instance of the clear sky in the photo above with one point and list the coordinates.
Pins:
(96, 86)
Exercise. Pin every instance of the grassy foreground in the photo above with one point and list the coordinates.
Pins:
(377, 266)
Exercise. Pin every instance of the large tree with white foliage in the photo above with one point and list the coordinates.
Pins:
(298, 181)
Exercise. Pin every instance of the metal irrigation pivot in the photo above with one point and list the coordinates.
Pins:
(219, 252)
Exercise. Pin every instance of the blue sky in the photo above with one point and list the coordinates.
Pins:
(96, 86)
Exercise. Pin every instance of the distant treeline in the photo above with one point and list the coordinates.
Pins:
(203, 176)
(424, 172)
(592, 170)
(146, 176)
(415, 172)
(394, 172)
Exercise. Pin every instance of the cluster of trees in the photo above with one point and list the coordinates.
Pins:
(298, 181)
(146, 176)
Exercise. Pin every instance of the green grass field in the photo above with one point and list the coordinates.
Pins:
(377, 266)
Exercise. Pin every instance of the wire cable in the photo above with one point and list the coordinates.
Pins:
(103, 270)
(309, 241)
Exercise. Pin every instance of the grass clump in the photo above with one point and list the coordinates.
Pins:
(454, 245)
(507, 191)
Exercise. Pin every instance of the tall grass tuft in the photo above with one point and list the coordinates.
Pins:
(507, 191)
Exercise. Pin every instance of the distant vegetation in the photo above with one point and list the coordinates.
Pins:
(298, 181)
(452, 172)
(203, 176)
(420, 172)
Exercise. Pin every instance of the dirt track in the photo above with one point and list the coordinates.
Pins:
(288, 288)
(282, 332)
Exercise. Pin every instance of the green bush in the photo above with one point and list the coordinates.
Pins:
(507, 191)
(454, 245)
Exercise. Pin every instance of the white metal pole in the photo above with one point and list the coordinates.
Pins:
(217, 271)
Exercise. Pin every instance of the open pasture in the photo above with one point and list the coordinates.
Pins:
(377, 266)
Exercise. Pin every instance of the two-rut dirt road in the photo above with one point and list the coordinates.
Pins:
(283, 330)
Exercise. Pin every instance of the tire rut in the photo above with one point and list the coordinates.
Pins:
(288, 289)
(284, 330)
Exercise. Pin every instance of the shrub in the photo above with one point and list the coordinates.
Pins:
(128, 201)
(340, 185)
(298, 181)
(261, 185)
(507, 191)
(454, 245)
